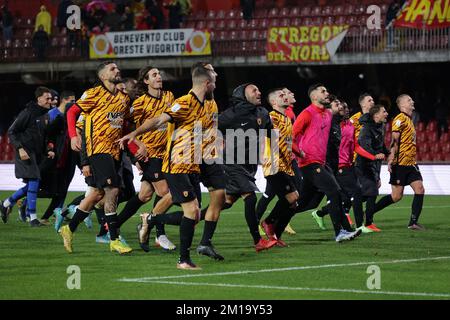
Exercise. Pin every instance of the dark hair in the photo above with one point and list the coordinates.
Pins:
(198, 64)
(363, 96)
(332, 98)
(102, 66)
(314, 87)
(40, 91)
(141, 86)
(66, 94)
(271, 91)
(375, 109)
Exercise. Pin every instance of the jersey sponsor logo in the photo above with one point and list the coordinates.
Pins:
(115, 119)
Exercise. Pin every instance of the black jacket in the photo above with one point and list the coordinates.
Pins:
(371, 139)
(245, 116)
(30, 131)
(334, 141)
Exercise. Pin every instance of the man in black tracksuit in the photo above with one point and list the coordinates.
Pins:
(371, 139)
(243, 121)
(27, 134)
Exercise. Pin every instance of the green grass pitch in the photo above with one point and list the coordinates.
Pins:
(408, 264)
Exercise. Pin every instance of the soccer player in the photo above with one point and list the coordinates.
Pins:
(181, 161)
(311, 132)
(28, 141)
(371, 139)
(151, 103)
(106, 109)
(270, 193)
(365, 102)
(402, 163)
(244, 119)
(277, 166)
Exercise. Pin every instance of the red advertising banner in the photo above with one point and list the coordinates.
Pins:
(303, 43)
(427, 14)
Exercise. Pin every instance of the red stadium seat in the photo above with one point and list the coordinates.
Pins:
(211, 15)
(447, 157)
(297, 22)
(424, 147)
(273, 13)
(446, 147)
(220, 14)
(286, 12)
(338, 10)
(420, 126)
(445, 137)
(328, 20)
(435, 148)
(421, 137)
(327, 11)
(431, 126)
(305, 12)
(427, 157)
(261, 13)
(340, 20)
(295, 12)
(359, 9)
(432, 137)
(348, 9)
(316, 11)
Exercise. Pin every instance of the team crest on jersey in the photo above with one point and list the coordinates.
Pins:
(318, 170)
(340, 170)
(185, 194)
(398, 181)
(398, 123)
(259, 121)
(288, 188)
(156, 175)
(108, 181)
(115, 119)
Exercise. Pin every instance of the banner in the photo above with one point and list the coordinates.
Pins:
(304, 43)
(427, 14)
(145, 43)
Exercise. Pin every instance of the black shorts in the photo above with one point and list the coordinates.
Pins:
(281, 183)
(346, 177)
(105, 171)
(152, 170)
(240, 179)
(213, 176)
(183, 187)
(405, 175)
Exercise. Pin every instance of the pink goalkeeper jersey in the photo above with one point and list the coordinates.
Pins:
(347, 146)
(311, 132)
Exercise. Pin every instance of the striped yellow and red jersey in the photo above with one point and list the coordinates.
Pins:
(210, 123)
(279, 160)
(104, 115)
(184, 134)
(406, 153)
(354, 119)
(147, 107)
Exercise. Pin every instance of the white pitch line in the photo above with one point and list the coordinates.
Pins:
(229, 285)
(152, 279)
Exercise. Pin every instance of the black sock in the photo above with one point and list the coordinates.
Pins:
(284, 220)
(187, 228)
(208, 232)
(281, 206)
(250, 217)
(417, 205)
(76, 201)
(173, 218)
(262, 205)
(358, 209)
(323, 211)
(77, 218)
(203, 213)
(51, 207)
(336, 214)
(100, 213)
(370, 210)
(226, 205)
(131, 207)
(111, 220)
(159, 226)
(383, 203)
